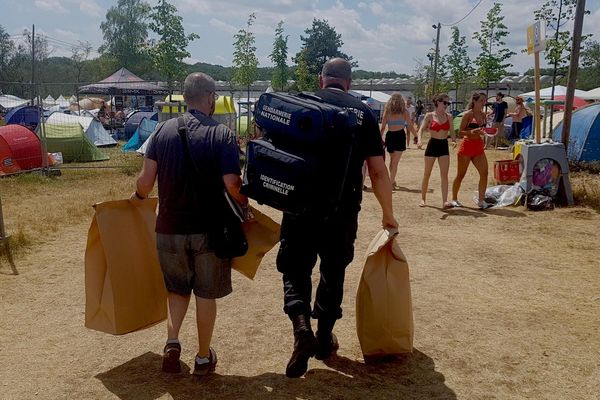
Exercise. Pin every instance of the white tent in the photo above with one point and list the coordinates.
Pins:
(558, 91)
(9, 101)
(593, 94)
(72, 99)
(49, 101)
(62, 102)
(93, 129)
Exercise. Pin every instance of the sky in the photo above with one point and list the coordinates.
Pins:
(381, 35)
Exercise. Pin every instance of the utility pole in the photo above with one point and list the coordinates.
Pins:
(577, 28)
(33, 94)
(437, 53)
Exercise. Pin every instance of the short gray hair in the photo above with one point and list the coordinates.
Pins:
(337, 68)
(197, 85)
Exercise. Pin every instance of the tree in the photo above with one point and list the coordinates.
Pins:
(7, 51)
(168, 52)
(420, 78)
(279, 58)
(556, 14)
(245, 61)
(305, 80)
(321, 43)
(492, 62)
(458, 62)
(79, 56)
(589, 75)
(125, 32)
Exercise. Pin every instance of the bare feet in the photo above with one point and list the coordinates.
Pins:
(447, 205)
(422, 203)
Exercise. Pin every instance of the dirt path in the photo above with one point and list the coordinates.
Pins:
(506, 306)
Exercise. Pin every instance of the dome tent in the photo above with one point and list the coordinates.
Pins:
(93, 129)
(584, 138)
(70, 140)
(141, 135)
(20, 150)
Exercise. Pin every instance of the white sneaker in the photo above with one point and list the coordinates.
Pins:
(456, 203)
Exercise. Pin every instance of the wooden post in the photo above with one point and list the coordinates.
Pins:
(573, 67)
(5, 243)
(537, 122)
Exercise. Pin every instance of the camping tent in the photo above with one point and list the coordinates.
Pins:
(8, 101)
(558, 90)
(62, 102)
(134, 119)
(93, 129)
(584, 138)
(123, 82)
(20, 149)
(141, 135)
(49, 101)
(225, 111)
(577, 102)
(593, 94)
(70, 140)
(24, 115)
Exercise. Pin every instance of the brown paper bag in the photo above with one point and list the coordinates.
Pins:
(384, 320)
(124, 286)
(262, 234)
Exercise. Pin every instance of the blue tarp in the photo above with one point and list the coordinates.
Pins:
(142, 133)
(584, 138)
(134, 120)
(27, 115)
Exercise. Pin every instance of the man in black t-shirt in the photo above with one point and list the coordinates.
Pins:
(499, 108)
(330, 234)
(187, 198)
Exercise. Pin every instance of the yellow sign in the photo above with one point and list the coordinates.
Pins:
(536, 38)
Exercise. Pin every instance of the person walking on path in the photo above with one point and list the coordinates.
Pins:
(329, 233)
(188, 194)
(397, 121)
(472, 149)
(439, 124)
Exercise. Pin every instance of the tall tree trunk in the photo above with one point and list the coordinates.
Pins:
(555, 65)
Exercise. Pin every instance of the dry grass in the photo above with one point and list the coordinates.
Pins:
(586, 189)
(37, 206)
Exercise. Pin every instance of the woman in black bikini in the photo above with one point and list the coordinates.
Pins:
(438, 123)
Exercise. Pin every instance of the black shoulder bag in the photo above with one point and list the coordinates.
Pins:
(226, 237)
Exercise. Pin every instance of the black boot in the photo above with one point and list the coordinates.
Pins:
(305, 346)
(327, 343)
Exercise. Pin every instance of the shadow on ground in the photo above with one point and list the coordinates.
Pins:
(412, 377)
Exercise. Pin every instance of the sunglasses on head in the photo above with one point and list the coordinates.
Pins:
(446, 103)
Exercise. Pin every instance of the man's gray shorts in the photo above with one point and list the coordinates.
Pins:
(188, 265)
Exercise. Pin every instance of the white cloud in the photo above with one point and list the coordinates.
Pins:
(90, 7)
(67, 35)
(51, 5)
(217, 23)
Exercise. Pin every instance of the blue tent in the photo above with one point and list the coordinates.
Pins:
(584, 138)
(527, 127)
(142, 133)
(25, 115)
(134, 120)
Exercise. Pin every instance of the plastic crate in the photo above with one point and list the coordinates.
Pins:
(506, 172)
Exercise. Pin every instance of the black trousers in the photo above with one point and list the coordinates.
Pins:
(303, 238)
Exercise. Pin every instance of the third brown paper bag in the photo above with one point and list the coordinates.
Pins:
(384, 320)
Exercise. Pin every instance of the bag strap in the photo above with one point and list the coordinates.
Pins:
(182, 130)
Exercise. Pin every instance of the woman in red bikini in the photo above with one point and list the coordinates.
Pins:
(471, 149)
(438, 124)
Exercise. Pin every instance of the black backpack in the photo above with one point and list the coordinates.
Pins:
(300, 163)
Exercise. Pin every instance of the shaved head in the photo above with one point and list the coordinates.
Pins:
(337, 68)
(336, 72)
